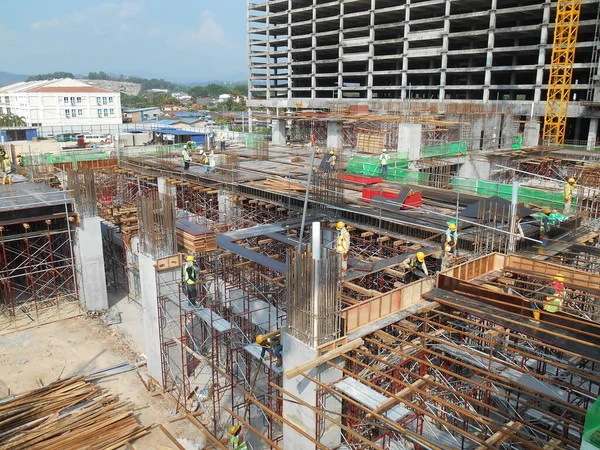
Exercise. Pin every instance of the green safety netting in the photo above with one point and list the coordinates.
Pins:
(591, 429)
(449, 149)
(408, 176)
(369, 165)
(538, 197)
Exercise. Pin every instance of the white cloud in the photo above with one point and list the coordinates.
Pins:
(130, 9)
(55, 22)
(209, 31)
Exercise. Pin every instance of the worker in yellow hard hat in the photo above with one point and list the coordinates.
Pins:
(19, 160)
(273, 345)
(332, 162)
(237, 440)
(550, 299)
(189, 278)
(544, 220)
(6, 170)
(568, 195)
(449, 243)
(343, 245)
(414, 265)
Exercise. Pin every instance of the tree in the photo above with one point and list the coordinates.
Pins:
(50, 76)
(11, 120)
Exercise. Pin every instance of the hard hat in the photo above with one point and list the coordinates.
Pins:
(18, 154)
(421, 256)
(384, 150)
(331, 152)
(190, 258)
(6, 157)
(259, 339)
(233, 429)
(452, 226)
(547, 210)
(572, 180)
(340, 225)
(559, 277)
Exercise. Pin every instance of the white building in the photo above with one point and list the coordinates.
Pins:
(60, 103)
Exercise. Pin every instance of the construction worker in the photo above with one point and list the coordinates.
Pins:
(568, 195)
(550, 299)
(544, 221)
(414, 264)
(204, 160)
(451, 238)
(19, 160)
(273, 345)
(237, 441)
(332, 161)
(343, 245)
(212, 162)
(222, 139)
(187, 158)
(6, 170)
(384, 159)
(189, 272)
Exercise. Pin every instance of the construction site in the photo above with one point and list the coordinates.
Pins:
(433, 329)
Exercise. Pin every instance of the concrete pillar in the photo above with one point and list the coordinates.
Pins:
(445, 44)
(149, 299)
(539, 74)
(131, 256)
(250, 125)
(489, 53)
(165, 188)
(295, 353)
(335, 135)
(409, 140)
(226, 209)
(592, 133)
(91, 278)
(531, 134)
(405, 47)
(278, 132)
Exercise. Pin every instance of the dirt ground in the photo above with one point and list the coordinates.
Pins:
(80, 345)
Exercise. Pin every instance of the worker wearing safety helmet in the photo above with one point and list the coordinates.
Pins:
(551, 298)
(332, 162)
(19, 160)
(451, 237)
(568, 195)
(343, 245)
(237, 440)
(189, 278)
(384, 159)
(6, 170)
(418, 263)
(544, 221)
(273, 345)
(186, 157)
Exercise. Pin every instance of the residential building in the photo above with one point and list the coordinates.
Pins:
(141, 114)
(61, 102)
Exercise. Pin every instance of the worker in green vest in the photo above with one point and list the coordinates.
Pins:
(189, 275)
(6, 170)
(237, 440)
(550, 299)
(569, 193)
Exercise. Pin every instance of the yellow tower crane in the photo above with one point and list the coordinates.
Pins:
(561, 71)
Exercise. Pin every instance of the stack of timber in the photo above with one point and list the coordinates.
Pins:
(125, 216)
(280, 184)
(67, 415)
(195, 238)
(370, 143)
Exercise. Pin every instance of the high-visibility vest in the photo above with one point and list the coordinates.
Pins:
(185, 154)
(235, 442)
(569, 191)
(384, 159)
(343, 241)
(553, 304)
(189, 273)
(6, 166)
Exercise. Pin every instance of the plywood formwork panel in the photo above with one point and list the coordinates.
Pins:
(476, 268)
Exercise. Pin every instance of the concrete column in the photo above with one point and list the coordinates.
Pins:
(250, 127)
(341, 54)
(409, 140)
(445, 43)
(313, 71)
(278, 132)
(539, 73)
(489, 53)
(149, 299)
(592, 133)
(131, 257)
(91, 278)
(165, 188)
(371, 51)
(405, 47)
(295, 353)
(268, 50)
(226, 209)
(531, 134)
(335, 135)
(289, 52)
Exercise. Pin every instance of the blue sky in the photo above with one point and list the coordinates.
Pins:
(182, 40)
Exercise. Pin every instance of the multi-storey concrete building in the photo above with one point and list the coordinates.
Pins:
(60, 103)
(317, 53)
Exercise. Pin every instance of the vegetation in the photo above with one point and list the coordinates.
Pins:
(50, 76)
(11, 120)
(214, 90)
(141, 101)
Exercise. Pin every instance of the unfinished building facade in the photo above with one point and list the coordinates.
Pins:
(387, 53)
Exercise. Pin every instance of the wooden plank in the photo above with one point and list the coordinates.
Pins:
(393, 401)
(309, 365)
(501, 435)
(171, 437)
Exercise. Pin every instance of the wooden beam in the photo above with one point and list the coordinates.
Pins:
(205, 431)
(501, 435)
(305, 367)
(360, 289)
(171, 437)
(393, 401)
